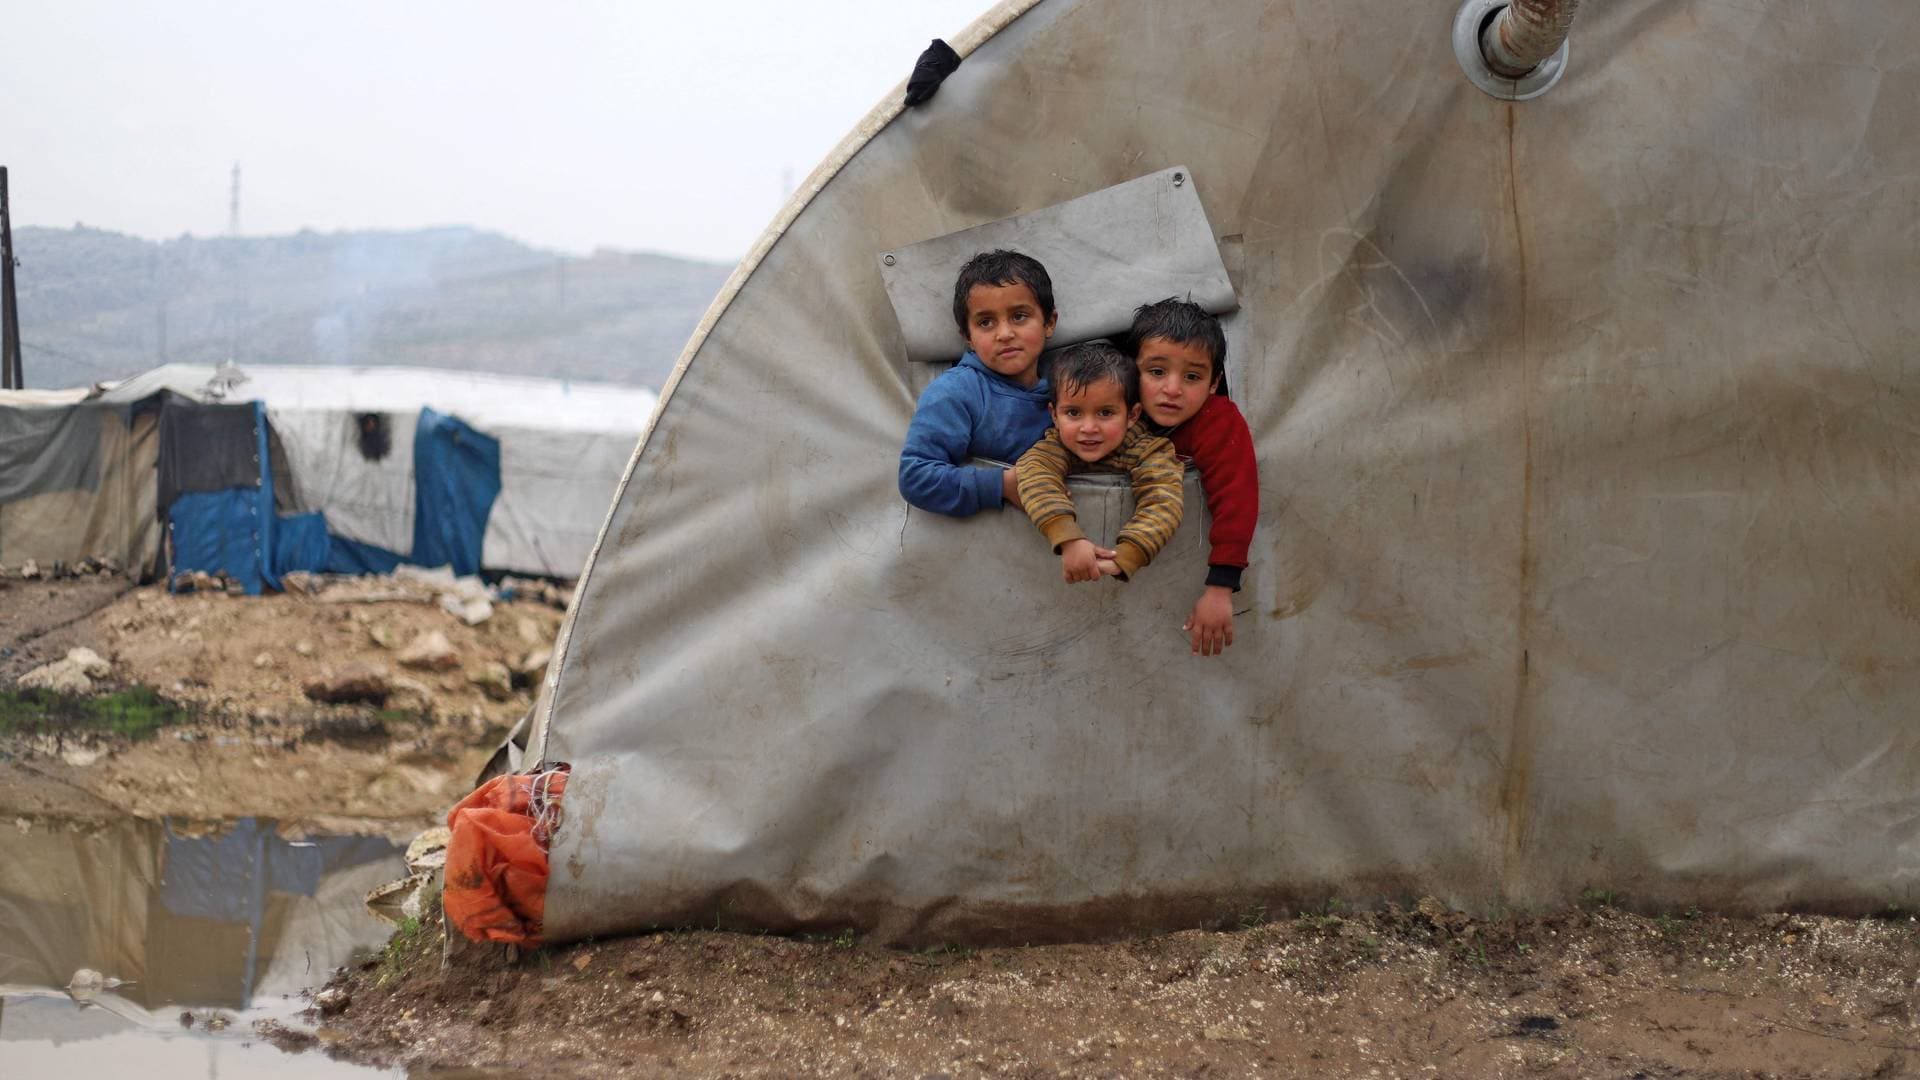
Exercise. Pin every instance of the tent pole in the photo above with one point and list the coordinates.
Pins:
(11, 375)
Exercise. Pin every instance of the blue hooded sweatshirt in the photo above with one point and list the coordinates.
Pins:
(968, 412)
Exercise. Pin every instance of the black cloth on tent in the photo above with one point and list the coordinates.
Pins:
(206, 448)
(49, 449)
(936, 63)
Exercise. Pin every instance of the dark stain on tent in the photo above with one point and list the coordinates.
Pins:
(373, 435)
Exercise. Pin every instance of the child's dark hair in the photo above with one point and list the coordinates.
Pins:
(1002, 267)
(1183, 323)
(1083, 365)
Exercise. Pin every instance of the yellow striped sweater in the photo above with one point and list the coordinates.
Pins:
(1146, 458)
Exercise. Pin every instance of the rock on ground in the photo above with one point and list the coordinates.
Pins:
(354, 682)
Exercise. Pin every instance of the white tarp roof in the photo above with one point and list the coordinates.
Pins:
(487, 401)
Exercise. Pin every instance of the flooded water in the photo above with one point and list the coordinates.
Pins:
(151, 948)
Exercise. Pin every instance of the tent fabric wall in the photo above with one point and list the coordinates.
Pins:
(368, 501)
(456, 479)
(1586, 552)
(78, 481)
(228, 530)
(554, 491)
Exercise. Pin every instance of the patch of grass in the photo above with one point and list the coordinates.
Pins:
(135, 713)
(1254, 917)
(1673, 928)
(393, 959)
(1599, 898)
(1328, 918)
(845, 939)
(1474, 952)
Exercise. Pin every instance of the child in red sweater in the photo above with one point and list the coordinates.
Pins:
(1180, 349)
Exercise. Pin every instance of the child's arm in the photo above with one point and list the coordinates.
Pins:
(1157, 506)
(932, 476)
(1230, 478)
(1042, 476)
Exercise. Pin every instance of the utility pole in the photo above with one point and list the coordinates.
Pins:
(233, 265)
(12, 377)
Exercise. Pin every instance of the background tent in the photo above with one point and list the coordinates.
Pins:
(77, 479)
(1588, 467)
(310, 468)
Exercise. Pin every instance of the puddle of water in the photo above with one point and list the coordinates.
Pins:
(230, 921)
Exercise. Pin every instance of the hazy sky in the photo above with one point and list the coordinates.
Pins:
(571, 125)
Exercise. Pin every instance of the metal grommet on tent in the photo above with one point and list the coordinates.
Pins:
(1468, 26)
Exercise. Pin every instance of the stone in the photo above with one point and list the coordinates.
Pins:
(383, 636)
(90, 663)
(304, 648)
(493, 678)
(411, 695)
(30, 569)
(472, 611)
(263, 660)
(529, 630)
(61, 677)
(430, 651)
(533, 666)
(355, 682)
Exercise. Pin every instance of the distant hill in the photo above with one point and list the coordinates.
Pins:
(98, 305)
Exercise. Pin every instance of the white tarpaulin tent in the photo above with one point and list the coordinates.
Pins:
(562, 448)
(1589, 460)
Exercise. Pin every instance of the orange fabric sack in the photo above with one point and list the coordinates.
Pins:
(496, 875)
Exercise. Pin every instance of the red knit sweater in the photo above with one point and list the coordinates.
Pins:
(1219, 444)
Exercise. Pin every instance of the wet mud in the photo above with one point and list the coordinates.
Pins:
(1589, 991)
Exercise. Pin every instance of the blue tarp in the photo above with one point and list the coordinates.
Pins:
(300, 542)
(230, 531)
(456, 477)
(219, 532)
(235, 531)
(353, 557)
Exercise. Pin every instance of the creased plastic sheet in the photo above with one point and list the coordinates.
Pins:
(109, 454)
(554, 489)
(367, 500)
(1587, 556)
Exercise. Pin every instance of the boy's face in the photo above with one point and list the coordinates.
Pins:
(1175, 380)
(1092, 419)
(1007, 330)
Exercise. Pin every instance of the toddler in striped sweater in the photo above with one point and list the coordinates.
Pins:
(1095, 408)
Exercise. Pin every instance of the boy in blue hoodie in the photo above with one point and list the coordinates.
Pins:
(993, 403)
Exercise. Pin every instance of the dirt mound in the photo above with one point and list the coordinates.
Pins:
(1405, 992)
(254, 740)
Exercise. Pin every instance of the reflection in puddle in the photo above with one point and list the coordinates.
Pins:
(228, 923)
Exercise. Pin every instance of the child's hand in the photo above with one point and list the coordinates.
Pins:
(1010, 490)
(1108, 567)
(1080, 561)
(1211, 625)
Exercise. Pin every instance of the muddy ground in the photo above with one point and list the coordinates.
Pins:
(249, 742)
(1590, 992)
